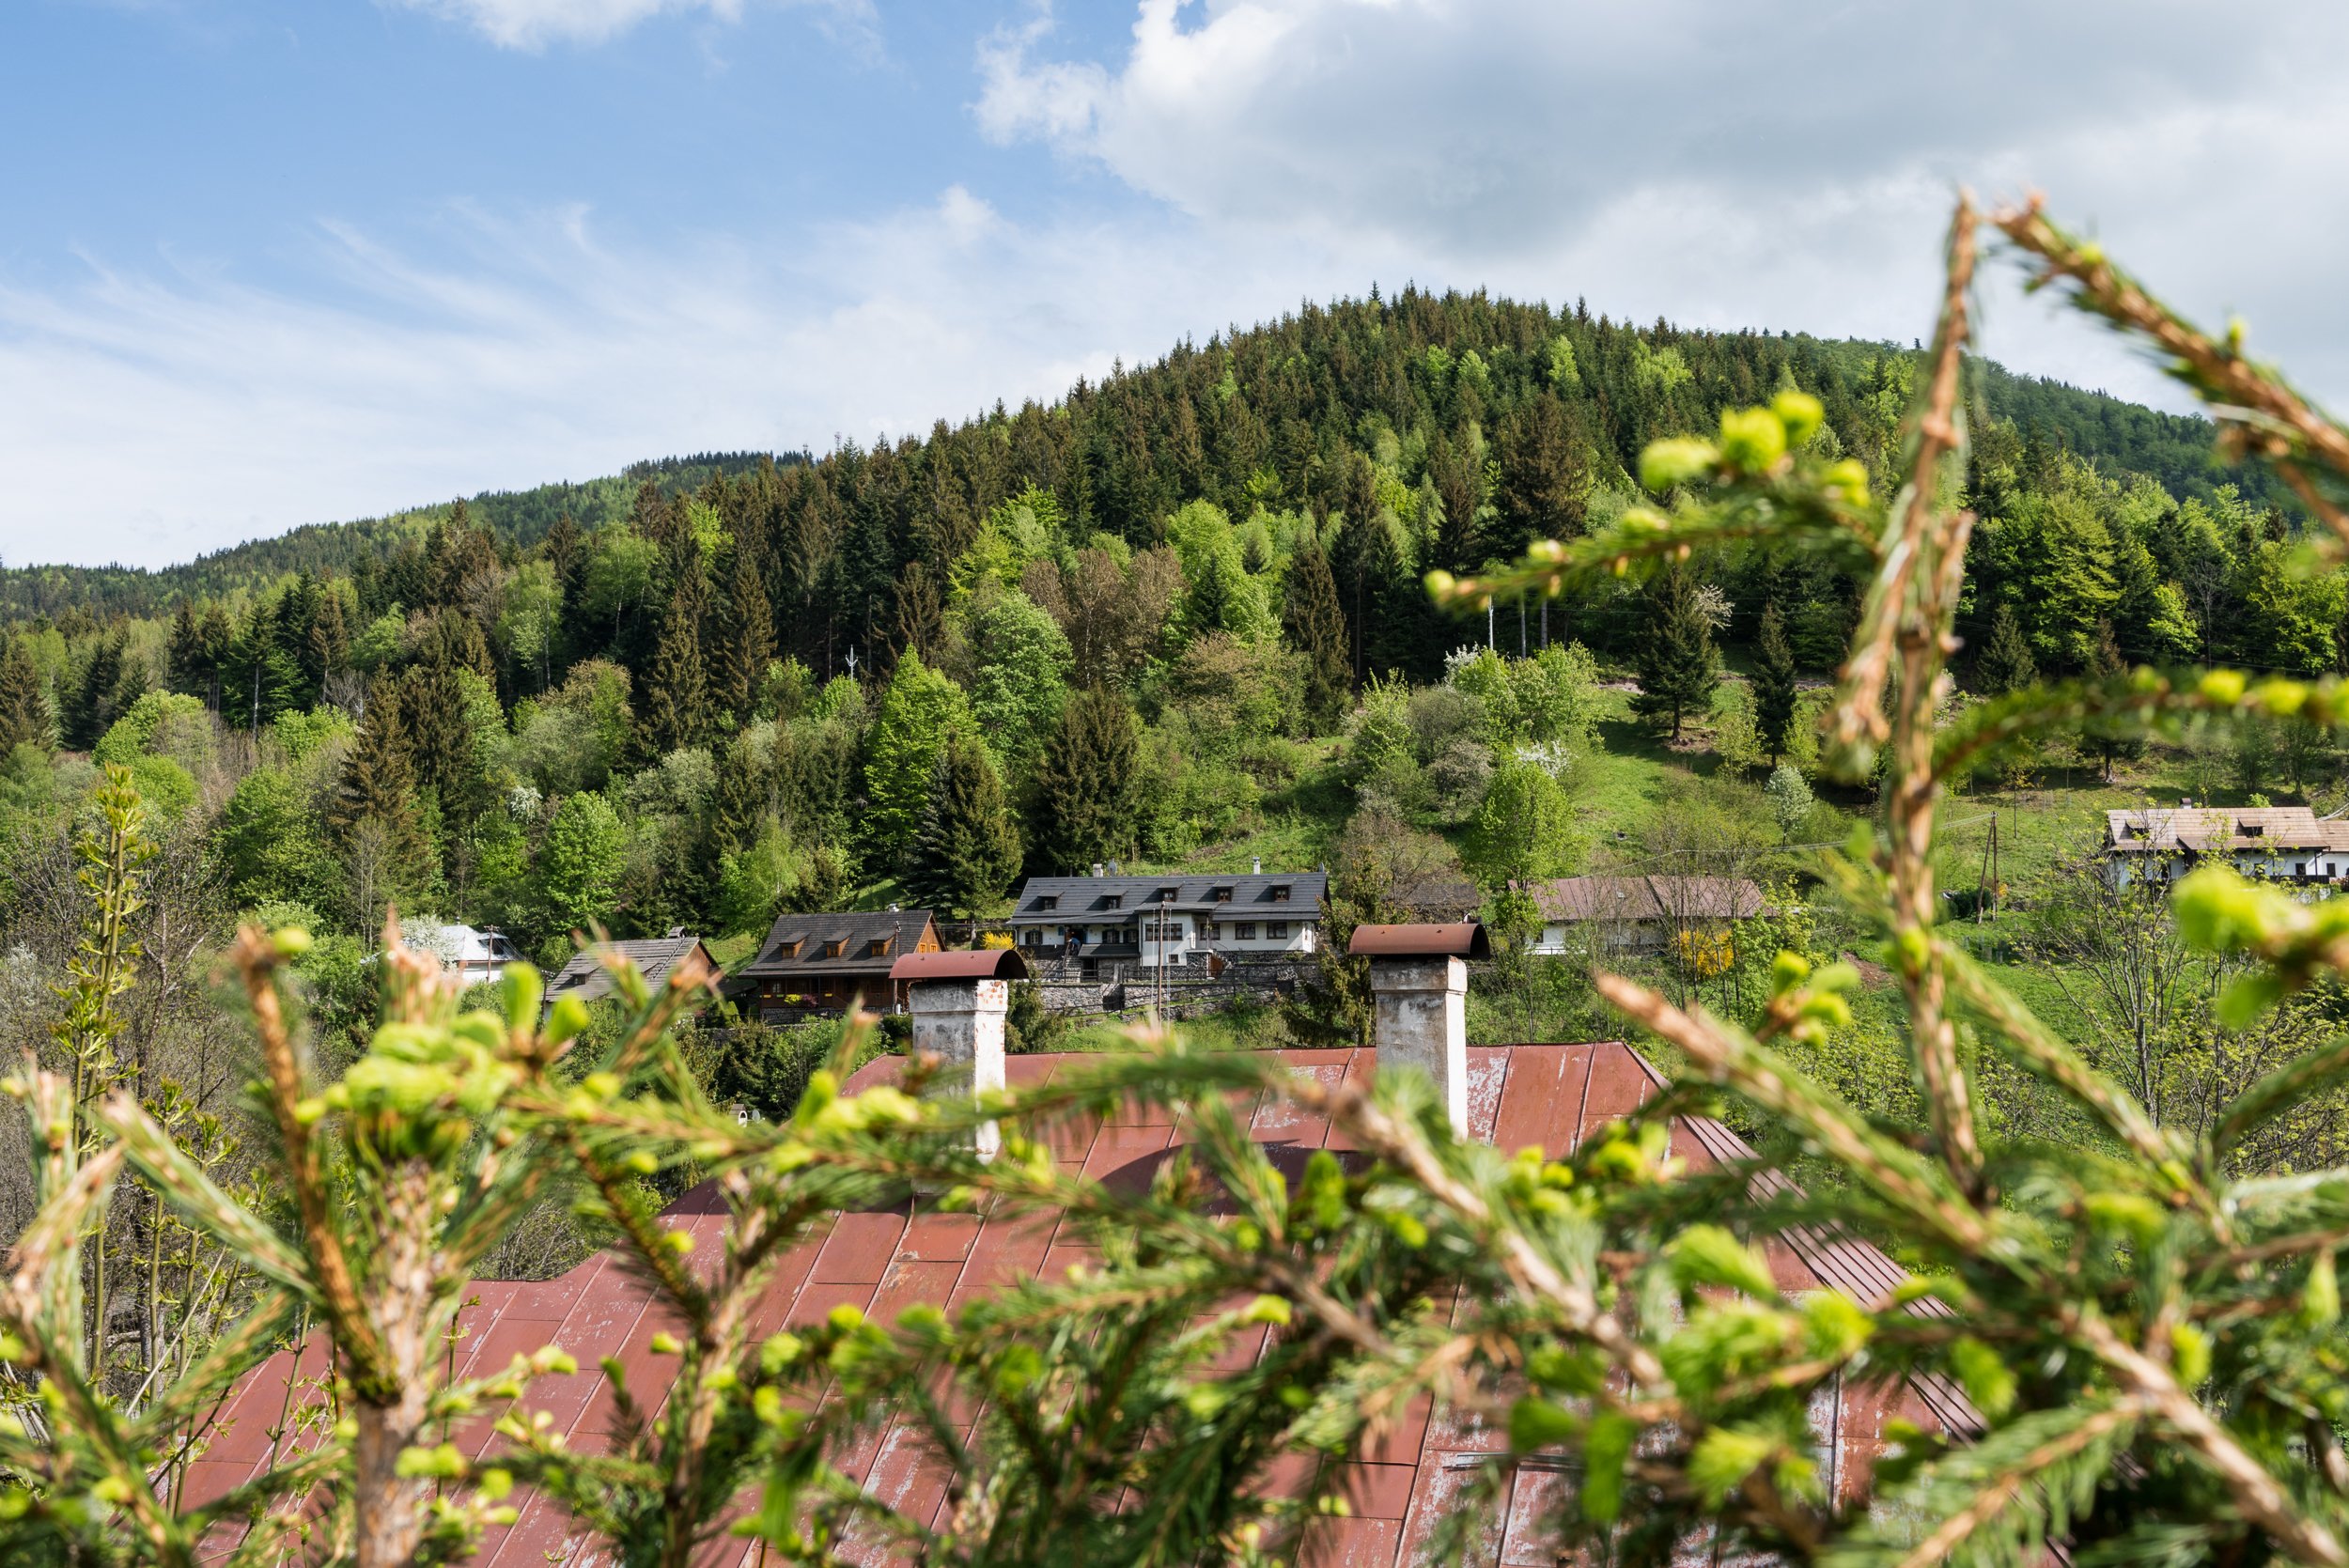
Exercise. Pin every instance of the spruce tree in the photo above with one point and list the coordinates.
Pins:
(330, 640)
(374, 809)
(91, 708)
(1084, 784)
(1316, 628)
(1208, 606)
(2005, 663)
(749, 643)
(1676, 664)
(23, 700)
(967, 849)
(676, 708)
(1775, 697)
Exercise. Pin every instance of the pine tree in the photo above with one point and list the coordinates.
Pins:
(374, 810)
(967, 850)
(1316, 628)
(330, 640)
(2005, 663)
(23, 700)
(676, 707)
(91, 708)
(1775, 698)
(749, 644)
(1676, 664)
(1208, 606)
(1084, 784)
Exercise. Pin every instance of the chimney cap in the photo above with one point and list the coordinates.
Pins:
(1465, 939)
(994, 963)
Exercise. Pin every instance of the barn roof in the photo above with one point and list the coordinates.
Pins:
(886, 1259)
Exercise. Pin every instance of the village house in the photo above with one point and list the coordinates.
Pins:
(823, 963)
(1593, 915)
(2281, 843)
(585, 977)
(1112, 926)
(470, 956)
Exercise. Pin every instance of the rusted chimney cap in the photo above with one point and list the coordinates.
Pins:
(994, 963)
(1466, 940)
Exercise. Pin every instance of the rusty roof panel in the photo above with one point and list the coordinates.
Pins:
(994, 963)
(1466, 940)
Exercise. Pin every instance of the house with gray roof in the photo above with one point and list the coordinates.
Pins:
(585, 977)
(825, 963)
(1114, 924)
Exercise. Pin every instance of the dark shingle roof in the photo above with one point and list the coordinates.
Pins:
(1079, 898)
(585, 977)
(856, 932)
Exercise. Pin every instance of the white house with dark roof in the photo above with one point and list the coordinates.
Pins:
(1112, 925)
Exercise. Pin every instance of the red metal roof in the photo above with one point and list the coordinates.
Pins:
(995, 963)
(885, 1260)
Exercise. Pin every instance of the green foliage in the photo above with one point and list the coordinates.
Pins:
(1084, 790)
(918, 714)
(1677, 665)
(967, 849)
(1526, 827)
(580, 865)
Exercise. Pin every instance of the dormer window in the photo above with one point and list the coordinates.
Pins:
(1164, 895)
(835, 948)
(1220, 895)
(879, 948)
(789, 948)
(1047, 901)
(1280, 893)
(1113, 901)
(2253, 829)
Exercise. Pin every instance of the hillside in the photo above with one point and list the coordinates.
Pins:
(330, 548)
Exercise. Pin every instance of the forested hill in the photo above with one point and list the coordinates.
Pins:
(328, 549)
(1432, 388)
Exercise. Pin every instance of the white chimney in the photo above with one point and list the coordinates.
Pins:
(959, 1002)
(1255, 865)
(1419, 994)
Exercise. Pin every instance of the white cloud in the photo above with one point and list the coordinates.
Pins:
(155, 415)
(535, 23)
(1774, 165)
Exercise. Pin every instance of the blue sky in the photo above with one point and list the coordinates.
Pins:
(267, 263)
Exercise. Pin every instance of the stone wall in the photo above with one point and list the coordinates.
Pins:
(1185, 993)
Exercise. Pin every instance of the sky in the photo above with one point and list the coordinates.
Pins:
(269, 263)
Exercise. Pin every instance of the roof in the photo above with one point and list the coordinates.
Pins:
(1466, 940)
(993, 963)
(2206, 830)
(1580, 898)
(1055, 900)
(856, 931)
(584, 977)
(883, 1260)
(1438, 897)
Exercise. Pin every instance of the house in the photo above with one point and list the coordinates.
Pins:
(885, 1256)
(473, 956)
(2282, 844)
(1636, 915)
(825, 962)
(585, 977)
(1112, 925)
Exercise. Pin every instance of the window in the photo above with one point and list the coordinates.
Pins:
(1164, 895)
(834, 948)
(879, 948)
(788, 947)
(2253, 829)
(1047, 901)
(1220, 895)
(1277, 928)
(1280, 893)
(1248, 930)
(1113, 901)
